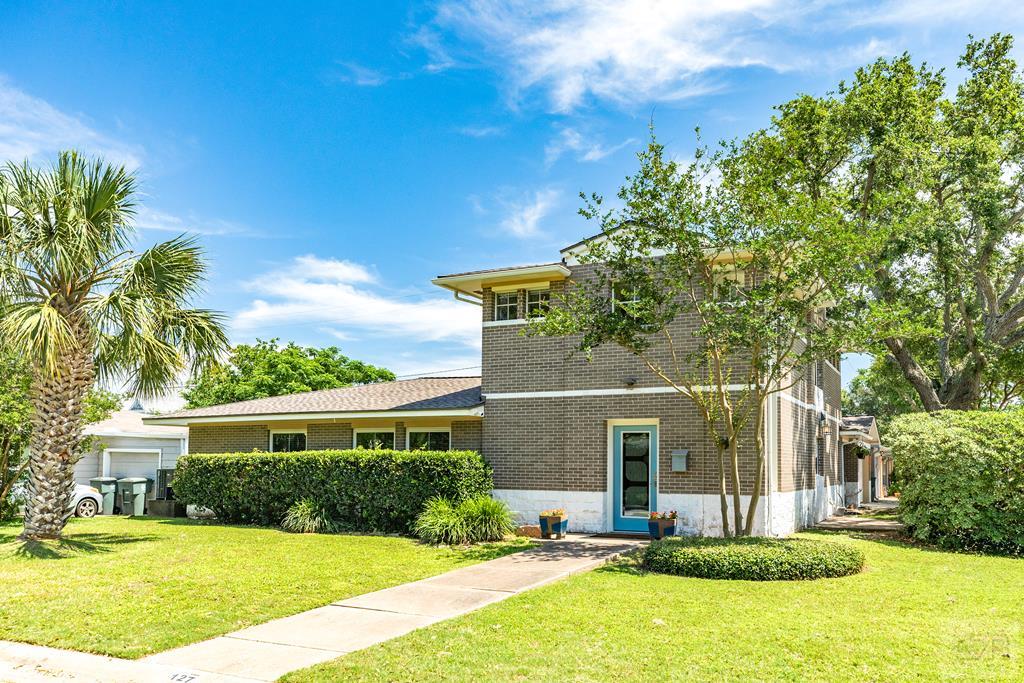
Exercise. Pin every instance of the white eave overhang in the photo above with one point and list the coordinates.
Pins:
(473, 284)
(475, 411)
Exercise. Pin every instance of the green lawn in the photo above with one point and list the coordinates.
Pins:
(913, 614)
(131, 587)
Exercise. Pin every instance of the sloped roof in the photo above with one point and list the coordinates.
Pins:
(862, 423)
(426, 393)
(129, 423)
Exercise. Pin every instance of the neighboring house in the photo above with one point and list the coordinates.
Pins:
(603, 439)
(868, 463)
(123, 446)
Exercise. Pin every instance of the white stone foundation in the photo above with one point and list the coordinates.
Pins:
(699, 515)
(585, 508)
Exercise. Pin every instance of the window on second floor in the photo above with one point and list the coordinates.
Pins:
(506, 306)
(623, 297)
(537, 301)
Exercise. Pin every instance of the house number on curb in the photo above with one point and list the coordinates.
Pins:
(183, 677)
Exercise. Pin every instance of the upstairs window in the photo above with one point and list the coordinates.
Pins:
(537, 301)
(624, 297)
(506, 306)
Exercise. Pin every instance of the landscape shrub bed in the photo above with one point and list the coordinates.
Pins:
(360, 490)
(752, 559)
(961, 478)
(474, 520)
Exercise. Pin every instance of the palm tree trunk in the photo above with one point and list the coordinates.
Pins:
(54, 444)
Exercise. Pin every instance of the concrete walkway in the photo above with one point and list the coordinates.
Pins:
(861, 522)
(270, 650)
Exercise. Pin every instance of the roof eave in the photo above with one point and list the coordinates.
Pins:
(185, 420)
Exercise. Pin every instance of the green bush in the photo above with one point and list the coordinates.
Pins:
(961, 478)
(307, 517)
(473, 520)
(752, 559)
(362, 490)
(441, 523)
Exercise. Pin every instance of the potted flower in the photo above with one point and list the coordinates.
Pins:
(662, 524)
(553, 523)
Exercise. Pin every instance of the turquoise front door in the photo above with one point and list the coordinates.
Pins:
(634, 476)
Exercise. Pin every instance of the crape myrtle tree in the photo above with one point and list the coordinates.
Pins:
(80, 305)
(698, 242)
(936, 178)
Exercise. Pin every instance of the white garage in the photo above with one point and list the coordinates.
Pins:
(125, 447)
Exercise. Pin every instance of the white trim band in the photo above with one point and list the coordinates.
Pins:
(476, 411)
(571, 393)
(808, 406)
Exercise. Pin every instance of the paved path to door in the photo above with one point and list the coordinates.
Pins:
(267, 651)
(864, 523)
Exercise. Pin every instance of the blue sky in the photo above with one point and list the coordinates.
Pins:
(336, 156)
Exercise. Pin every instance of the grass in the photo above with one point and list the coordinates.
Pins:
(913, 614)
(131, 587)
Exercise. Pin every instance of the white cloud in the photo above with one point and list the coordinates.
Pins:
(159, 221)
(571, 140)
(356, 74)
(620, 50)
(482, 131)
(344, 297)
(930, 13)
(33, 129)
(524, 216)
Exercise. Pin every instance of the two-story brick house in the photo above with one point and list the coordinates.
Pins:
(603, 438)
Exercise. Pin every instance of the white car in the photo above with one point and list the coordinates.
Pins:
(87, 501)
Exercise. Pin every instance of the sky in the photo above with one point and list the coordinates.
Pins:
(334, 157)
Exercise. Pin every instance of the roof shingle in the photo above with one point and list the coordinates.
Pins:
(426, 393)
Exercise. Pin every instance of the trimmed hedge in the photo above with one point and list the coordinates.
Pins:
(361, 490)
(752, 559)
(961, 478)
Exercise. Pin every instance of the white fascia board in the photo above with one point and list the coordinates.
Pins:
(476, 411)
(137, 435)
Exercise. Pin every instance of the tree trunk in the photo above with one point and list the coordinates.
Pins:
(57, 401)
(914, 374)
(755, 495)
(723, 495)
(734, 471)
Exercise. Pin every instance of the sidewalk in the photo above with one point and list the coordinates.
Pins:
(270, 650)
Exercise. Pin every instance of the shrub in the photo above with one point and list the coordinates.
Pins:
(752, 559)
(486, 519)
(363, 490)
(307, 517)
(442, 523)
(961, 478)
(472, 521)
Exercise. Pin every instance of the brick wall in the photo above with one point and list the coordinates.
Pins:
(321, 437)
(562, 443)
(228, 438)
(467, 435)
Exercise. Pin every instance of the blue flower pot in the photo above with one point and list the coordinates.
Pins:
(660, 528)
(553, 527)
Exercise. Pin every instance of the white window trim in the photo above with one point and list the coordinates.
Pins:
(270, 439)
(504, 323)
(515, 297)
(432, 430)
(535, 290)
(370, 430)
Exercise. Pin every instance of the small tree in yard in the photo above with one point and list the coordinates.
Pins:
(76, 303)
(696, 242)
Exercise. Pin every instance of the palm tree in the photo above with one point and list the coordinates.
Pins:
(80, 306)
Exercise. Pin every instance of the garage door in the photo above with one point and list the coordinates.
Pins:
(134, 464)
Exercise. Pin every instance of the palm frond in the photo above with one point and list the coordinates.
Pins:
(39, 331)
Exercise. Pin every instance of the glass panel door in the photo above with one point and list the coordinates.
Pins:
(634, 476)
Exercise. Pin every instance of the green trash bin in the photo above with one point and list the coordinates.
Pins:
(131, 493)
(107, 488)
